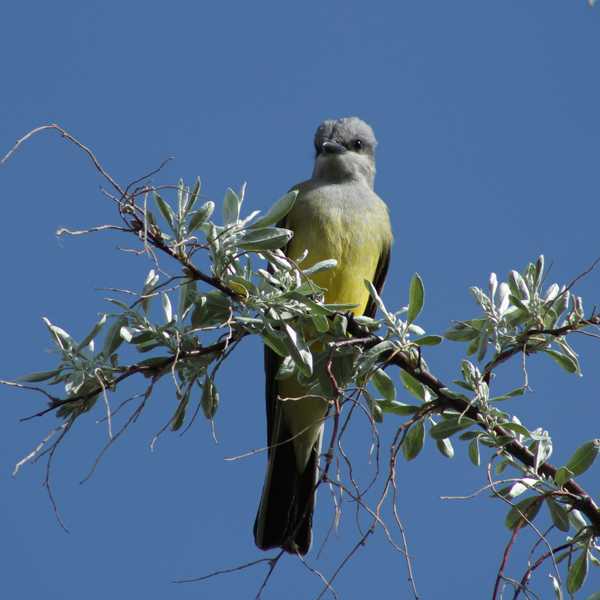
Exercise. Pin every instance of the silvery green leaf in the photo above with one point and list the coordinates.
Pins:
(577, 572)
(448, 427)
(503, 298)
(428, 340)
(167, 308)
(374, 408)
(518, 286)
(376, 298)
(483, 344)
(299, 351)
(445, 447)
(193, 196)
(462, 332)
(339, 326)
(561, 303)
(416, 298)
(322, 265)
(187, 295)
(231, 208)
(539, 269)
(126, 334)
(286, 368)
(113, 337)
(369, 323)
(181, 197)
(517, 428)
(493, 285)
(210, 398)
(200, 216)
(518, 488)
(398, 408)
(474, 451)
(414, 386)
(552, 293)
(249, 218)
(213, 308)
(179, 416)
(94, 332)
(558, 595)
(165, 209)
(526, 509)
(321, 323)
(39, 376)
(278, 211)
(566, 362)
(560, 517)
(416, 329)
(414, 441)
(265, 238)
(562, 476)
(384, 385)
(584, 457)
(372, 355)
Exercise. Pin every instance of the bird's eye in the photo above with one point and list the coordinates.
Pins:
(357, 145)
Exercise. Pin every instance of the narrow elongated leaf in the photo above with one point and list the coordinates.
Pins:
(201, 216)
(267, 238)
(474, 452)
(322, 265)
(414, 441)
(449, 427)
(415, 387)
(210, 398)
(384, 384)
(560, 517)
(398, 408)
(445, 447)
(113, 338)
(528, 508)
(562, 476)
(193, 196)
(278, 211)
(231, 207)
(167, 308)
(94, 332)
(583, 457)
(428, 340)
(577, 573)
(39, 376)
(165, 209)
(299, 351)
(416, 298)
(566, 362)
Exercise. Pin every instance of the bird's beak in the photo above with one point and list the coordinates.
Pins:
(331, 147)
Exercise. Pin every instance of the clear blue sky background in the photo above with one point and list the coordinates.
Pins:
(487, 115)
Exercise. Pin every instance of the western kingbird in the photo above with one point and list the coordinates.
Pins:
(336, 215)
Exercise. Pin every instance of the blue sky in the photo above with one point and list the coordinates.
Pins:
(489, 136)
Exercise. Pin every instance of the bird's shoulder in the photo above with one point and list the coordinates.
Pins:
(318, 190)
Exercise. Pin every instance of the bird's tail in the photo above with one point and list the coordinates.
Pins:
(284, 518)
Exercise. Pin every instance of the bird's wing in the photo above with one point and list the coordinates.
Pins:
(379, 279)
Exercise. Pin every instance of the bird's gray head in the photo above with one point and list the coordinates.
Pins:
(345, 150)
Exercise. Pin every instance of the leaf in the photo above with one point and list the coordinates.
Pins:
(200, 216)
(559, 515)
(416, 298)
(299, 351)
(377, 299)
(517, 428)
(165, 209)
(566, 362)
(94, 332)
(474, 452)
(113, 338)
(527, 508)
(231, 207)
(414, 441)
(384, 384)
(210, 398)
(398, 408)
(577, 572)
(449, 427)
(321, 323)
(179, 416)
(39, 376)
(167, 308)
(583, 457)
(415, 387)
(322, 265)
(266, 238)
(191, 201)
(461, 333)
(428, 340)
(445, 447)
(562, 476)
(278, 211)
(213, 308)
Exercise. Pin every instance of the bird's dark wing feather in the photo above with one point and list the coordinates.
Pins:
(379, 279)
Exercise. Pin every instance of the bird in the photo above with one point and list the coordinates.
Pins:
(338, 215)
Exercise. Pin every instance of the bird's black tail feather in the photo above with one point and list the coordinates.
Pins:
(284, 518)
